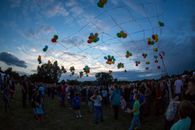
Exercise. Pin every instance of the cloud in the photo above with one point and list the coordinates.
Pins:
(57, 10)
(10, 59)
(37, 33)
(134, 6)
(74, 55)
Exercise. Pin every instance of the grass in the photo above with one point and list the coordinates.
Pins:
(58, 118)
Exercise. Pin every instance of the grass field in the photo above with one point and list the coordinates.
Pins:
(58, 118)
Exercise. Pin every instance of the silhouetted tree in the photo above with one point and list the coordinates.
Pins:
(48, 72)
(104, 78)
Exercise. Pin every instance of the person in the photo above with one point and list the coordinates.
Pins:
(115, 100)
(158, 100)
(11, 88)
(1, 82)
(104, 93)
(5, 97)
(90, 102)
(190, 92)
(178, 87)
(76, 101)
(63, 93)
(135, 123)
(24, 92)
(184, 111)
(98, 112)
(147, 95)
(190, 96)
(171, 112)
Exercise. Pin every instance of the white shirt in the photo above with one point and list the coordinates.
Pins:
(178, 86)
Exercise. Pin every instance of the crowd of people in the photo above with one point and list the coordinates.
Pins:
(172, 97)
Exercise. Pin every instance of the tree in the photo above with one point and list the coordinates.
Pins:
(48, 72)
(12, 73)
(104, 78)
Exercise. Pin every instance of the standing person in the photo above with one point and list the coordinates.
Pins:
(190, 96)
(184, 112)
(178, 87)
(115, 100)
(12, 88)
(135, 123)
(1, 82)
(147, 95)
(5, 96)
(76, 103)
(90, 102)
(98, 112)
(63, 93)
(24, 92)
(104, 93)
(158, 100)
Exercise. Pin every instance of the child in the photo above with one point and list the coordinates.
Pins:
(97, 99)
(76, 105)
(184, 112)
(37, 106)
(136, 119)
(39, 111)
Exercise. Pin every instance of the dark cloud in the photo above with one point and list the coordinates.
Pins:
(10, 59)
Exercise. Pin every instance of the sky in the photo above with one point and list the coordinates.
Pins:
(29, 25)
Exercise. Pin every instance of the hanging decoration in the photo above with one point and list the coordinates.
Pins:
(128, 54)
(120, 65)
(86, 70)
(122, 34)
(93, 38)
(109, 59)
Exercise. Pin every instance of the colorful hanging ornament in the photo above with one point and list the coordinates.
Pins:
(147, 62)
(128, 54)
(121, 34)
(45, 48)
(120, 65)
(93, 38)
(162, 54)
(144, 55)
(161, 24)
(54, 39)
(155, 49)
(86, 70)
(101, 3)
(137, 63)
(81, 74)
(109, 59)
(155, 37)
(150, 41)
